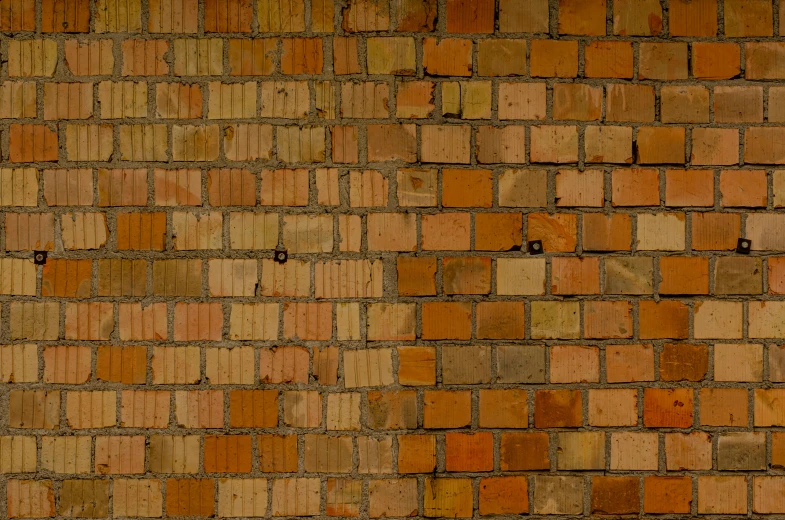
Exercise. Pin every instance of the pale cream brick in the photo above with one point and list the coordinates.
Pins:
(18, 187)
(230, 366)
(143, 322)
(766, 319)
(367, 188)
(122, 99)
(71, 455)
(292, 278)
(661, 232)
(173, 16)
(327, 187)
(520, 276)
(89, 321)
(391, 321)
(325, 99)
(717, 320)
(191, 231)
(91, 409)
(19, 363)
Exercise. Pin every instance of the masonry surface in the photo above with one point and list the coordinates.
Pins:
(392, 258)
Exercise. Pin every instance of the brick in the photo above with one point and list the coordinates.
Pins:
(416, 453)
(469, 17)
(688, 451)
(69, 455)
(741, 276)
(497, 57)
(230, 366)
(91, 409)
(83, 58)
(58, 16)
(34, 321)
(67, 101)
(127, 365)
(227, 453)
(683, 275)
(580, 450)
(557, 409)
(694, 18)
(634, 451)
(664, 408)
(469, 452)
(141, 231)
(764, 318)
(447, 57)
(247, 56)
(183, 277)
(391, 55)
(634, 18)
(31, 58)
(277, 453)
(450, 497)
(606, 233)
(576, 102)
(608, 144)
(715, 146)
(569, 491)
(134, 497)
(504, 495)
(685, 104)
(119, 455)
(178, 16)
(242, 497)
(30, 498)
(62, 364)
(147, 322)
(573, 364)
(613, 407)
(744, 19)
(558, 232)
(761, 145)
(446, 409)
(579, 188)
(615, 495)
(174, 453)
(653, 317)
(392, 497)
(667, 495)
(627, 363)
(629, 103)
(683, 362)
(190, 497)
(741, 451)
(553, 58)
(198, 321)
(343, 411)
(661, 145)
(715, 61)
(175, 365)
(144, 57)
(19, 363)
(18, 277)
(722, 495)
(554, 144)
(34, 409)
(522, 101)
(415, 16)
(555, 319)
(714, 319)
(32, 143)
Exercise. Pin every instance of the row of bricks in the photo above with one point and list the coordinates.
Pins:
(660, 61)
(448, 144)
(441, 320)
(406, 366)
(417, 276)
(385, 498)
(740, 18)
(390, 232)
(408, 188)
(398, 409)
(478, 99)
(413, 453)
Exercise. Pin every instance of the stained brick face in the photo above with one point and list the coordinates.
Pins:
(392, 258)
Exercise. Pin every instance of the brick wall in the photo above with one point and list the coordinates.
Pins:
(390, 258)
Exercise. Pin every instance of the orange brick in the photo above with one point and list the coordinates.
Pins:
(554, 58)
(667, 408)
(466, 16)
(558, 409)
(469, 452)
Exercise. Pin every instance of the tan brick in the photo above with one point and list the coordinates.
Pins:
(32, 58)
(89, 321)
(199, 408)
(172, 16)
(230, 366)
(144, 409)
(35, 321)
(138, 322)
(194, 143)
(91, 409)
(119, 455)
(174, 453)
(69, 455)
(62, 364)
(19, 363)
(30, 499)
(137, 497)
(84, 57)
(296, 497)
(175, 365)
(122, 99)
